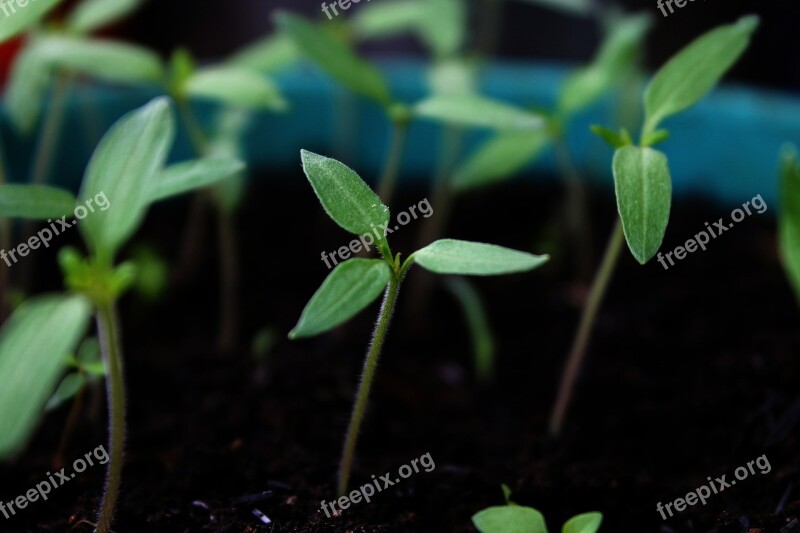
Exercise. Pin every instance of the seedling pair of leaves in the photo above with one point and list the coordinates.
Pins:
(128, 167)
(513, 518)
(789, 218)
(356, 283)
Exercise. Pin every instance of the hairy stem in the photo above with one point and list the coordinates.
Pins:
(392, 169)
(108, 334)
(588, 316)
(362, 397)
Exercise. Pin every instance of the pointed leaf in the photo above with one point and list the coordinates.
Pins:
(583, 523)
(237, 87)
(17, 19)
(34, 345)
(509, 519)
(125, 167)
(443, 26)
(499, 158)
(694, 71)
(789, 218)
(190, 175)
(68, 388)
(335, 58)
(27, 88)
(344, 195)
(644, 194)
(267, 55)
(103, 59)
(351, 287)
(35, 202)
(478, 112)
(450, 256)
(91, 15)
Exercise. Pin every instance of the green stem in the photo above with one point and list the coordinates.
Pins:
(108, 333)
(196, 135)
(390, 172)
(370, 364)
(48, 142)
(588, 316)
(575, 210)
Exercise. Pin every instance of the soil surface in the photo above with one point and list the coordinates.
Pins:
(692, 372)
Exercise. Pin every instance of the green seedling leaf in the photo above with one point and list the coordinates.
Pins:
(583, 523)
(182, 66)
(67, 389)
(694, 71)
(483, 345)
(509, 519)
(450, 256)
(499, 158)
(335, 57)
(344, 195)
(477, 112)
(27, 88)
(106, 60)
(351, 287)
(573, 7)
(388, 19)
(267, 55)
(91, 15)
(35, 202)
(789, 218)
(653, 138)
(507, 494)
(227, 141)
(235, 87)
(612, 138)
(19, 19)
(125, 167)
(644, 193)
(185, 177)
(614, 59)
(152, 273)
(453, 77)
(90, 359)
(34, 345)
(443, 26)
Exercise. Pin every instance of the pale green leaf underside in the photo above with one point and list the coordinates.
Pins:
(236, 86)
(499, 158)
(694, 71)
(267, 55)
(789, 220)
(23, 17)
(125, 166)
(450, 256)
(335, 57)
(583, 523)
(35, 202)
(34, 345)
(103, 59)
(644, 194)
(347, 290)
(509, 519)
(344, 195)
(27, 88)
(91, 15)
(477, 112)
(185, 177)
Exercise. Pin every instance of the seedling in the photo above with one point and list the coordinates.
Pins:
(642, 181)
(127, 167)
(789, 218)
(356, 283)
(513, 518)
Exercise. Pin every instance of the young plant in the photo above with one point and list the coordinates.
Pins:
(642, 181)
(513, 518)
(356, 283)
(789, 218)
(127, 168)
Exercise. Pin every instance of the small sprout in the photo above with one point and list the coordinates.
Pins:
(355, 283)
(789, 217)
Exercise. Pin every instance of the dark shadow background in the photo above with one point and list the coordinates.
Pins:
(213, 29)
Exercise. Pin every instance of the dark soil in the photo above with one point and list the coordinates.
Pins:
(692, 373)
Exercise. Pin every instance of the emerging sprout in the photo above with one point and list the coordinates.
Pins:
(789, 219)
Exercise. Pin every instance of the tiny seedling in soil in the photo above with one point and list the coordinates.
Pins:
(357, 282)
(513, 518)
(128, 169)
(789, 218)
(642, 181)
